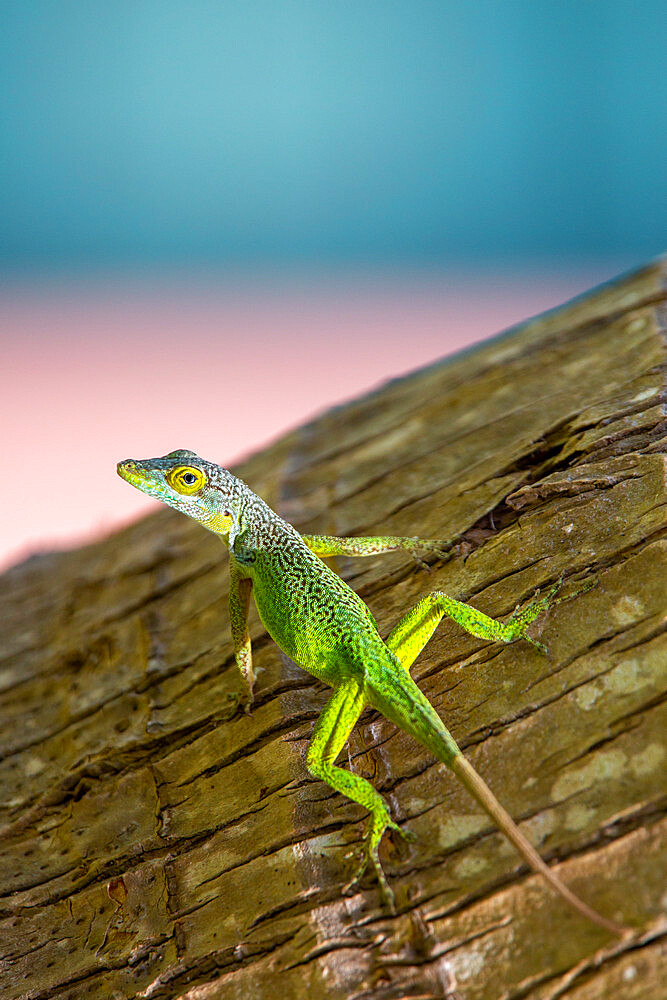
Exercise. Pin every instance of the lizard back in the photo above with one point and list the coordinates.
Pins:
(306, 608)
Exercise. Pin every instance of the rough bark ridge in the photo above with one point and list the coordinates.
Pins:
(161, 844)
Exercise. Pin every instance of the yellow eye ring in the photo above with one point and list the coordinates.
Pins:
(186, 479)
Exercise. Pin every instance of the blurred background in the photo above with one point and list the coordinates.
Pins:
(219, 218)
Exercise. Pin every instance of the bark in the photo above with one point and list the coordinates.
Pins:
(160, 843)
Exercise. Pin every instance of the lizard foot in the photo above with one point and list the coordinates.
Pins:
(242, 700)
(441, 550)
(516, 625)
(376, 827)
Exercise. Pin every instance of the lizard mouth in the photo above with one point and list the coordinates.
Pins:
(129, 471)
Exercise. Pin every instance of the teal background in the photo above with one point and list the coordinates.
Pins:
(308, 133)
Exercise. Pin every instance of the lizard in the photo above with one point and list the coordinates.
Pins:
(326, 628)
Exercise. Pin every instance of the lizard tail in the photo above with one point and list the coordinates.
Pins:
(478, 788)
(400, 700)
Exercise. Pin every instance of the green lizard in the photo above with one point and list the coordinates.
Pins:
(327, 629)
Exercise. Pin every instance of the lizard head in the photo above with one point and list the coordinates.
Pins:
(200, 489)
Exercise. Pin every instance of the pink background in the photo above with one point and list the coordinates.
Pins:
(97, 371)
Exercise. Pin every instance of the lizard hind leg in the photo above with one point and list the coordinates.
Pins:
(517, 623)
(413, 631)
(331, 733)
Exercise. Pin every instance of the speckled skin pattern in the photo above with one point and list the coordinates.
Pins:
(327, 629)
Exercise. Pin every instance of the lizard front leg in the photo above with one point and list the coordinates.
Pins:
(240, 588)
(372, 545)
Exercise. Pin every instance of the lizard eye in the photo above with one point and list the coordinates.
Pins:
(186, 479)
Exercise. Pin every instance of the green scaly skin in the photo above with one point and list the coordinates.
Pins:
(326, 628)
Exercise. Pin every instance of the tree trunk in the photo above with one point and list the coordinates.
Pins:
(160, 843)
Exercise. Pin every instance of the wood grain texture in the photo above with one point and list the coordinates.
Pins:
(157, 843)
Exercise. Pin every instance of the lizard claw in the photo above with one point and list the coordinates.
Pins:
(369, 854)
(242, 699)
(421, 563)
(442, 551)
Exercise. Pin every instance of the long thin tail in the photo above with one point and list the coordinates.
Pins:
(399, 699)
(469, 777)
